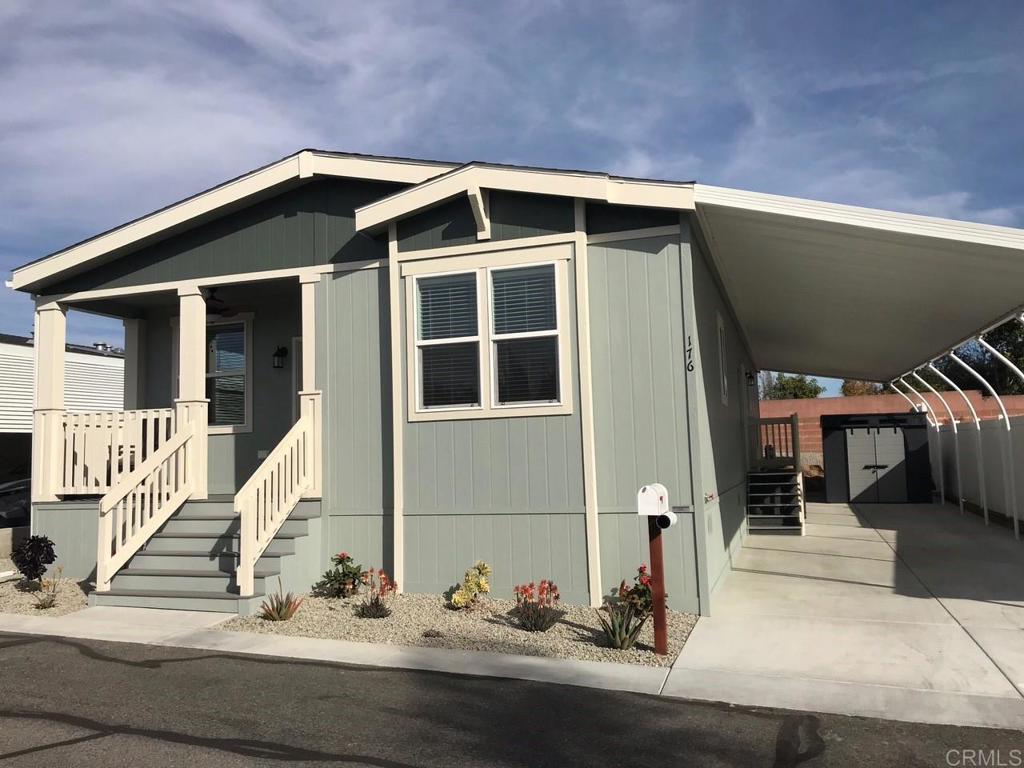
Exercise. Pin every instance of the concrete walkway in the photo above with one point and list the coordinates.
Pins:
(909, 612)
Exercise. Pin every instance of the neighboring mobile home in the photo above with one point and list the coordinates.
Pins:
(94, 382)
(425, 364)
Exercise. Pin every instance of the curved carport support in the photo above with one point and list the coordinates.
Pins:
(977, 423)
(1009, 438)
(956, 440)
(932, 422)
(902, 394)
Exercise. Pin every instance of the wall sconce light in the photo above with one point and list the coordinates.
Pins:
(279, 355)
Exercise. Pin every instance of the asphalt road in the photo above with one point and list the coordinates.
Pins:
(80, 703)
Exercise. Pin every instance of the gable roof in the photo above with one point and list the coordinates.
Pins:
(291, 169)
(472, 177)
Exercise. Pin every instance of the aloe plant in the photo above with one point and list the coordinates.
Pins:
(280, 606)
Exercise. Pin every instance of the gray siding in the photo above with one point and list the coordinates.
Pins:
(640, 419)
(74, 528)
(603, 218)
(513, 215)
(505, 490)
(313, 224)
(354, 373)
(721, 428)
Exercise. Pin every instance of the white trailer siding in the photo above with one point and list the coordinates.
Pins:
(91, 383)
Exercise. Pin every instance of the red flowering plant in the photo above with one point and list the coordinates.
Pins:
(342, 580)
(382, 589)
(537, 605)
(626, 610)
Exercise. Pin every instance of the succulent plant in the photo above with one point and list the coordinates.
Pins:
(280, 606)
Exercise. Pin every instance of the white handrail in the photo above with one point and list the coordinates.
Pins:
(141, 502)
(100, 447)
(269, 496)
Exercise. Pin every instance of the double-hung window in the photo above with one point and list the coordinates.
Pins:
(488, 342)
(226, 374)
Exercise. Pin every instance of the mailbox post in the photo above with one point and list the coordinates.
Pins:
(652, 503)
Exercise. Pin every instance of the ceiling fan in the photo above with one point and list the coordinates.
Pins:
(217, 307)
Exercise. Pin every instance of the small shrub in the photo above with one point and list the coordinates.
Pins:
(474, 584)
(46, 597)
(536, 606)
(382, 589)
(32, 556)
(278, 606)
(627, 611)
(342, 580)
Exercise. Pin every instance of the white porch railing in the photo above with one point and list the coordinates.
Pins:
(100, 448)
(291, 472)
(142, 501)
(779, 441)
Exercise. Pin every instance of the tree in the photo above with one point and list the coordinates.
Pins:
(782, 386)
(855, 387)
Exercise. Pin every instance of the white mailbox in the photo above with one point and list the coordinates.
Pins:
(652, 501)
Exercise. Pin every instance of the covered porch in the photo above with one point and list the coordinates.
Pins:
(221, 403)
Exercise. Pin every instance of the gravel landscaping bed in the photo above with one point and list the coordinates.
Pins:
(14, 598)
(486, 628)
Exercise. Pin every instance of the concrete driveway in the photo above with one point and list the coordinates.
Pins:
(912, 612)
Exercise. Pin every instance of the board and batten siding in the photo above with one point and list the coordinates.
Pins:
(508, 491)
(722, 427)
(640, 416)
(354, 374)
(91, 383)
(306, 226)
(513, 215)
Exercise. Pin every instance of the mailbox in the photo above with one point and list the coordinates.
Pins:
(652, 501)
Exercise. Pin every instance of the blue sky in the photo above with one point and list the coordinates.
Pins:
(115, 109)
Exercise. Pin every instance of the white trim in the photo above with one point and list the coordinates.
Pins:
(577, 184)
(854, 216)
(499, 257)
(593, 528)
(296, 377)
(633, 234)
(488, 407)
(480, 203)
(486, 247)
(397, 410)
(304, 274)
(298, 166)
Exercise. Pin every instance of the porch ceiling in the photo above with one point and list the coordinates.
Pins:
(852, 292)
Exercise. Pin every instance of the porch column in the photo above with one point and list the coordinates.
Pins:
(134, 363)
(48, 413)
(309, 395)
(192, 405)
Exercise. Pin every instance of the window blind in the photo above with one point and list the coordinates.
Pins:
(450, 374)
(447, 306)
(528, 370)
(524, 299)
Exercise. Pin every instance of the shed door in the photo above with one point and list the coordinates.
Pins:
(860, 458)
(891, 460)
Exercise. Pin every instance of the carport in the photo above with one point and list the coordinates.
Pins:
(907, 611)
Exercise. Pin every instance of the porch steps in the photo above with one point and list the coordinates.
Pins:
(190, 562)
(775, 503)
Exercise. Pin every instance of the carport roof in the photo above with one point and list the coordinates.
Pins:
(851, 292)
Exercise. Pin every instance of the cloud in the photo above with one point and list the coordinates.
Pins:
(116, 109)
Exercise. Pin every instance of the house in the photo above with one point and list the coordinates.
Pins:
(95, 382)
(425, 363)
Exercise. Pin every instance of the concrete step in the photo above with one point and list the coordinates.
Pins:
(217, 525)
(183, 581)
(223, 506)
(169, 599)
(183, 560)
(199, 543)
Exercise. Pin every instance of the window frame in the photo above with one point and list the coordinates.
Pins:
(486, 339)
(246, 319)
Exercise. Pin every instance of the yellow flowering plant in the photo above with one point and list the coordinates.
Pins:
(474, 584)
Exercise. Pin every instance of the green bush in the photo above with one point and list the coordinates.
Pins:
(342, 580)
